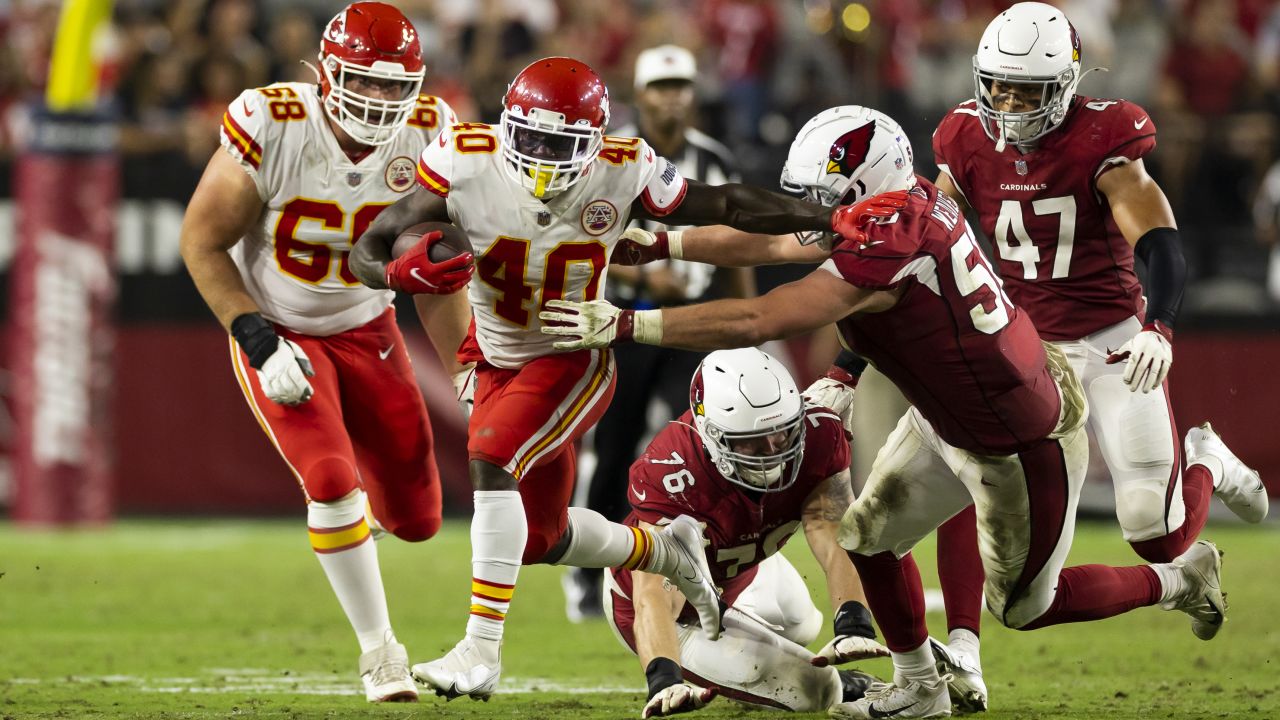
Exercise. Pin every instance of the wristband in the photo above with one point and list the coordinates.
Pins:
(256, 337)
(853, 619)
(646, 327)
(675, 244)
(662, 673)
(851, 363)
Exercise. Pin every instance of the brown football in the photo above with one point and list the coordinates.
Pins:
(453, 244)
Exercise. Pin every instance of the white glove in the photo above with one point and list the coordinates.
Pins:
(848, 648)
(831, 393)
(284, 375)
(638, 247)
(1149, 354)
(464, 389)
(678, 698)
(597, 324)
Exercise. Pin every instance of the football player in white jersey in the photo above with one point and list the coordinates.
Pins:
(302, 172)
(544, 198)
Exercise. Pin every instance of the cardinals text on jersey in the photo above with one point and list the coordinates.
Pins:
(529, 251)
(318, 203)
(1061, 257)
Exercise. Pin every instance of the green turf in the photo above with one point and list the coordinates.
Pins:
(220, 618)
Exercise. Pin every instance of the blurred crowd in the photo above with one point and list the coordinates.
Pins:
(1208, 71)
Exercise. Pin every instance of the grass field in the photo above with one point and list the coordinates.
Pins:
(233, 618)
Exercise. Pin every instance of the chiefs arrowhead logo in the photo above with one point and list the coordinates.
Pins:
(337, 29)
(850, 150)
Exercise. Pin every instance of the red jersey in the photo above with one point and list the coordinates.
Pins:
(1062, 257)
(675, 477)
(967, 358)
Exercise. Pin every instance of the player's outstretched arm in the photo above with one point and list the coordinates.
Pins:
(805, 305)
(372, 252)
(658, 647)
(744, 207)
(853, 636)
(718, 245)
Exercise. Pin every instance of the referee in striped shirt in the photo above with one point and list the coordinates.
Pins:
(664, 78)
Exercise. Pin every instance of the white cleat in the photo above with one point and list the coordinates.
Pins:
(967, 688)
(471, 668)
(385, 674)
(1203, 599)
(1240, 488)
(692, 575)
(886, 700)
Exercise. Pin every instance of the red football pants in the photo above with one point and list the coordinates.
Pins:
(526, 420)
(365, 426)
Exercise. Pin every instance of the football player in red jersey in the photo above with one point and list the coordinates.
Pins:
(545, 197)
(997, 417)
(302, 169)
(1058, 183)
(752, 461)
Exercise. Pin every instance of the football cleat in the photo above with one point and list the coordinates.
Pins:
(471, 668)
(691, 574)
(1240, 488)
(384, 671)
(1203, 599)
(886, 700)
(855, 684)
(967, 688)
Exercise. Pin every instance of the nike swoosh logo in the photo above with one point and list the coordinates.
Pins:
(418, 276)
(873, 712)
(640, 495)
(247, 111)
(1137, 124)
(612, 320)
(869, 243)
(384, 354)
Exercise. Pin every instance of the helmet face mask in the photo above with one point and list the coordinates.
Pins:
(844, 155)
(1034, 49)
(553, 120)
(750, 418)
(371, 71)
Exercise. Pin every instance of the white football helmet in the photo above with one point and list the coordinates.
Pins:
(1031, 43)
(750, 416)
(845, 154)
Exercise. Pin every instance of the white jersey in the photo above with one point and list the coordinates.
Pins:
(317, 203)
(529, 251)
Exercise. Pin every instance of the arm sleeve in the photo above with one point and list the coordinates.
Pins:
(243, 132)
(1161, 250)
(662, 187)
(435, 165)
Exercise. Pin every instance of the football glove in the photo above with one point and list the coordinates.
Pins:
(597, 324)
(282, 366)
(835, 391)
(414, 273)
(1149, 355)
(855, 638)
(638, 247)
(848, 221)
(676, 699)
(464, 388)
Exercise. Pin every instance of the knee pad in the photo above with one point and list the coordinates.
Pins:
(862, 526)
(417, 530)
(803, 631)
(1024, 610)
(329, 479)
(1140, 508)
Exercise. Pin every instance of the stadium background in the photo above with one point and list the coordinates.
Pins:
(165, 419)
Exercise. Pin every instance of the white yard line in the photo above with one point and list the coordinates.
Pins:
(265, 681)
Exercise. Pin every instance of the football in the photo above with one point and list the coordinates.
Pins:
(453, 244)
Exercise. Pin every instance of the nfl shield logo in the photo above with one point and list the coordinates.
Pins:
(354, 178)
(544, 218)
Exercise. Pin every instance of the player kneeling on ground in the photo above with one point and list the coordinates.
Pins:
(752, 461)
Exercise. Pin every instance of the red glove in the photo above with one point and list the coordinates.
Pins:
(639, 247)
(414, 272)
(848, 220)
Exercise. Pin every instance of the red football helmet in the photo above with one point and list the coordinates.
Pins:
(371, 71)
(553, 120)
